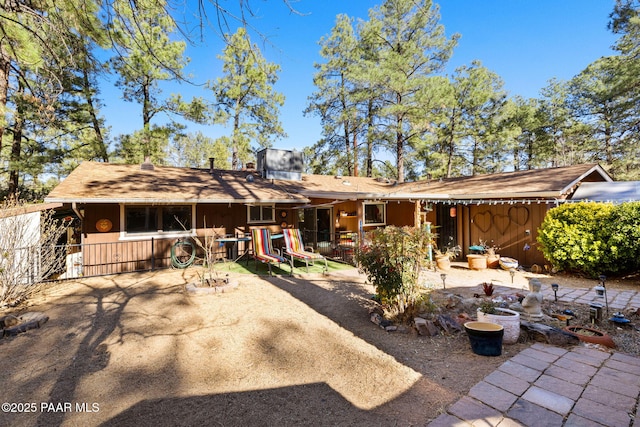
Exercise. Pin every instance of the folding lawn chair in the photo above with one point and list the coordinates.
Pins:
(295, 249)
(263, 249)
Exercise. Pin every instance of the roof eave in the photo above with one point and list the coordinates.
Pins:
(596, 168)
(172, 201)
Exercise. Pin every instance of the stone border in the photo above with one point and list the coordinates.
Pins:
(30, 320)
(194, 289)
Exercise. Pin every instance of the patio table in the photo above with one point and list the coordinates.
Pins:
(237, 239)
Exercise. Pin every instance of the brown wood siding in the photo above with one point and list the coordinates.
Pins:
(93, 213)
(225, 219)
(401, 214)
(510, 227)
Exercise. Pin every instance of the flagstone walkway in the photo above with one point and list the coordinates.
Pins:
(549, 386)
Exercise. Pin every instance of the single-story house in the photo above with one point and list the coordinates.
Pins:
(129, 203)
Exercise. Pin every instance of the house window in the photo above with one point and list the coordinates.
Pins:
(375, 214)
(261, 213)
(154, 219)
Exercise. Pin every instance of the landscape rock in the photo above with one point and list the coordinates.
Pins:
(448, 324)
(376, 318)
(9, 320)
(548, 334)
(26, 321)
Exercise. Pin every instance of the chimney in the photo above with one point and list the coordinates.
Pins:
(211, 162)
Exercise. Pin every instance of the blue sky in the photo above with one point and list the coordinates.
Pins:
(525, 42)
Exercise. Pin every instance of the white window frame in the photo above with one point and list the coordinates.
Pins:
(124, 235)
(271, 206)
(364, 213)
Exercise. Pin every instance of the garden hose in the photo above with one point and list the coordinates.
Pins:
(178, 263)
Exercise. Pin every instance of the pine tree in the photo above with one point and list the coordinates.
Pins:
(246, 98)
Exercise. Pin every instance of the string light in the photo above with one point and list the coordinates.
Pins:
(495, 202)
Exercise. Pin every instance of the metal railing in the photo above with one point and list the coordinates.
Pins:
(101, 259)
(339, 246)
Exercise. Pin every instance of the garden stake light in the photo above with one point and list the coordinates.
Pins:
(555, 287)
(444, 278)
(601, 290)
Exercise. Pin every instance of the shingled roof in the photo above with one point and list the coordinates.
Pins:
(93, 182)
(558, 182)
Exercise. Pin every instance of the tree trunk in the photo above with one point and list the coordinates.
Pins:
(399, 149)
(5, 67)
(235, 144)
(355, 153)
(16, 150)
(100, 149)
(370, 135)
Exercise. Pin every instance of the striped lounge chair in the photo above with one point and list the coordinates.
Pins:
(296, 250)
(263, 249)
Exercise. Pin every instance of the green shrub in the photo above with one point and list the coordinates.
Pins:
(624, 236)
(593, 238)
(392, 260)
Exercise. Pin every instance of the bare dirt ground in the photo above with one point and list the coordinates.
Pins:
(136, 349)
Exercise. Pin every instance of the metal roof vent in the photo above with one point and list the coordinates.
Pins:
(147, 165)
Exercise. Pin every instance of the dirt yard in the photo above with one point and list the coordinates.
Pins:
(138, 350)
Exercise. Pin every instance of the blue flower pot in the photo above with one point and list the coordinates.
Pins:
(485, 338)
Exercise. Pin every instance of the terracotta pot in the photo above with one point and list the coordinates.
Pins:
(591, 335)
(443, 262)
(510, 321)
(477, 262)
(493, 261)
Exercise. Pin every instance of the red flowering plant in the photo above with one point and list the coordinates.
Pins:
(392, 261)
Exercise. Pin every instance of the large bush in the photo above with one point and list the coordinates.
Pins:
(593, 238)
(392, 259)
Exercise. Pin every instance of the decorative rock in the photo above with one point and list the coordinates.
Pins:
(194, 289)
(385, 323)
(433, 329)
(376, 318)
(548, 334)
(448, 324)
(469, 304)
(30, 320)
(401, 329)
(9, 320)
(425, 327)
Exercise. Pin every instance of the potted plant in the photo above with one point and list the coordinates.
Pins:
(444, 257)
(509, 319)
(477, 261)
